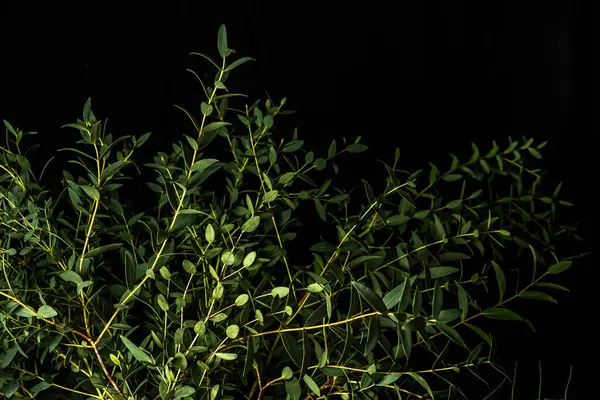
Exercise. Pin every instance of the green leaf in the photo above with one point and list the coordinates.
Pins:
(439, 272)
(356, 148)
(502, 313)
(400, 292)
(71, 276)
(46, 312)
(320, 209)
(232, 331)
(463, 302)
(370, 296)
(7, 356)
(481, 333)
(92, 192)
(422, 382)
(373, 335)
(332, 150)
(102, 249)
(200, 328)
(270, 196)
(452, 177)
(292, 146)
(552, 286)
(209, 233)
(421, 214)
(242, 299)
(213, 126)
(500, 278)
(214, 392)
(453, 256)
(440, 233)
(530, 294)
(287, 373)
(184, 391)
(249, 259)
(189, 267)
(226, 356)
(280, 291)
(293, 389)
(453, 204)
(238, 62)
(451, 333)
(180, 362)
(388, 380)
(438, 299)
(40, 387)
(206, 109)
(559, 267)
(312, 385)
(534, 153)
(251, 224)
(192, 142)
(162, 302)
(315, 287)
(136, 352)
(397, 219)
(222, 41)
(201, 165)
(113, 169)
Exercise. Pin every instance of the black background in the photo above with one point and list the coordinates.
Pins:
(427, 77)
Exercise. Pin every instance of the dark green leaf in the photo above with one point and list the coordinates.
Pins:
(530, 294)
(331, 152)
(422, 382)
(136, 352)
(452, 177)
(398, 219)
(438, 299)
(356, 148)
(222, 41)
(293, 389)
(71, 276)
(102, 249)
(370, 296)
(463, 302)
(312, 385)
(481, 333)
(400, 292)
(552, 286)
(92, 192)
(500, 279)
(40, 387)
(184, 391)
(373, 335)
(388, 379)
(238, 62)
(439, 272)
(453, 256)
(7, 356)
(292, 146)
(502, 313)
(559, 267)
(291, 346)
(451, 333)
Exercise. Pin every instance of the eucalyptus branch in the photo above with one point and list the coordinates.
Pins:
(187, 286)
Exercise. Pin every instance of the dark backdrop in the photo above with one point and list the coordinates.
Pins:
(429, 78)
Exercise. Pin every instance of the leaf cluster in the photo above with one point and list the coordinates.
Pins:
(198, 299)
